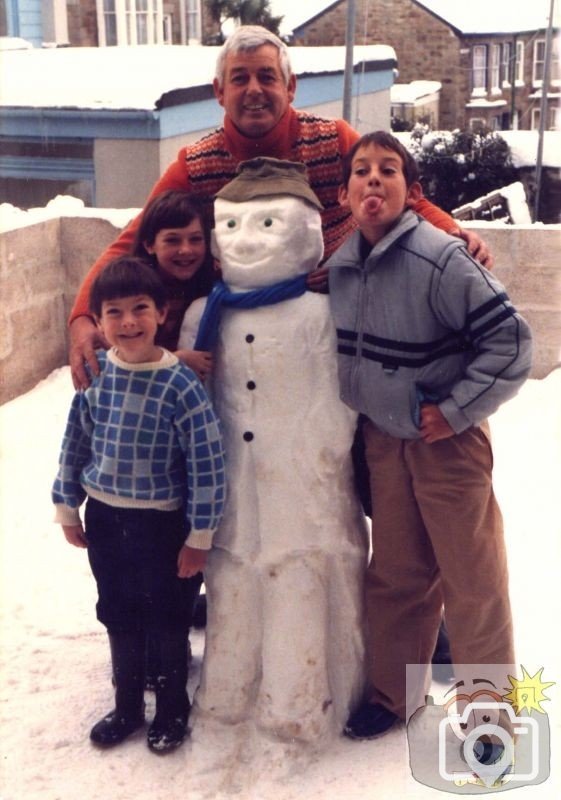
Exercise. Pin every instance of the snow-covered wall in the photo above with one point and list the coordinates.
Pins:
(45, 253)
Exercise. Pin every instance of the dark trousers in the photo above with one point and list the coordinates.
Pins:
(133, 556)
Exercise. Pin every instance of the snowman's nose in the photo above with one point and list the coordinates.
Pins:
(245, 246)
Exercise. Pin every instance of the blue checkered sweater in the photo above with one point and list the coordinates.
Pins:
(143, 436)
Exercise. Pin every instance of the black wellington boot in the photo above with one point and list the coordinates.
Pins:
(128, 657)
(169, 728)
(442, 666)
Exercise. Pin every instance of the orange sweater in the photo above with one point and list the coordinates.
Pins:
(207, 165)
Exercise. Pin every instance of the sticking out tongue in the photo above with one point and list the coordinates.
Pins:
(372, 204)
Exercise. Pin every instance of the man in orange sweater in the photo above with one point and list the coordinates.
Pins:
(255, 85)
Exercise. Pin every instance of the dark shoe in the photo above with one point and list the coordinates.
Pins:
(114, 729)
(199, 612)
(442, 667)
(369, 721)
(127, 659)
(169, 727)
(442, 653)
(165, 735)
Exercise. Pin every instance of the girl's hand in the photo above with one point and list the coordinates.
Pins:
(190, 561)
(75, 535)
(434, 425)
(199, 361)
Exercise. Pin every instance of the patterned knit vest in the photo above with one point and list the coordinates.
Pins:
(210, 166)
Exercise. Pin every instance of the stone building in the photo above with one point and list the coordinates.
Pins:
(488, 57)
(100, 23)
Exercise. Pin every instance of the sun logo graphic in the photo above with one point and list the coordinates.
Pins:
(528, 692)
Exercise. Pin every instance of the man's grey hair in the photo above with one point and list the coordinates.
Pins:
(250, 37)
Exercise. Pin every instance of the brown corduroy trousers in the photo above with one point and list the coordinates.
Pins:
(437, 538)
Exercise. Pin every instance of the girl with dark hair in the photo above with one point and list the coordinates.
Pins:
(174, 236)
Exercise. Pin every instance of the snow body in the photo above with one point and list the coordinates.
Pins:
(284, 643)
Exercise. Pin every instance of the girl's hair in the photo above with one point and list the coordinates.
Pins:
(389, 142)
(126, 276)
(174, 209)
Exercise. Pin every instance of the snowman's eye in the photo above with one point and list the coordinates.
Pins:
(231, 223)
(267, 222)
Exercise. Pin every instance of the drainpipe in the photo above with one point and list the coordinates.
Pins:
(349, 44)
(543, 109)
(513, 84)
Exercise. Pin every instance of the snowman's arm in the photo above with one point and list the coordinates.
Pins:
(190, 324)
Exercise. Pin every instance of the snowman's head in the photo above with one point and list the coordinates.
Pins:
(267, 225)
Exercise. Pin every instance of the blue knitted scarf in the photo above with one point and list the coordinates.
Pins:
(222, 296)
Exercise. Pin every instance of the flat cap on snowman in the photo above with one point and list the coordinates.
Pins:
(264, 177)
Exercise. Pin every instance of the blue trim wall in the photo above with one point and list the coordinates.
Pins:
(199, 115)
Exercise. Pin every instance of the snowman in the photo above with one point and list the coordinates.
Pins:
(284, 644)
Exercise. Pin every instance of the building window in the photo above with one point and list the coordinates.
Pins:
(124, 22)
(479, 69)
(194, 20)
(477, 124)
(506, 65)
(538, 65)
(495, 68)
(539, 61)
(553, 118)
(519, 66)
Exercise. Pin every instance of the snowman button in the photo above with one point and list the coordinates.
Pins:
(251, 385)
(249, 338)
(248, 436)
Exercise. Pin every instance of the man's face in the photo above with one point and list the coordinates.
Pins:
(255, 95)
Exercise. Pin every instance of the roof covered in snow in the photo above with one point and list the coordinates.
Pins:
(137, 77)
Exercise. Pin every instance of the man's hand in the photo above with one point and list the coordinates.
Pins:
(75, 535)
(434, 425)
(200, 361)
(85, 338)
(317, 280)
(190, 561)
(476, 246)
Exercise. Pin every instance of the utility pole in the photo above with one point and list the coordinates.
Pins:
(349, 45)
(543, 110)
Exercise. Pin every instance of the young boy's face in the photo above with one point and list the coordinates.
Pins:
(377, 193)
(130, 324)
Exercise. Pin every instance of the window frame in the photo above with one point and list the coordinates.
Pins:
(479, 70)
(135, 22)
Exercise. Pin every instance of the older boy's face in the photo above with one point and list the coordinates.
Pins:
(377, 193)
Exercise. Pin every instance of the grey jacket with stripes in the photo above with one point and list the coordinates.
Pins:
(419, 320)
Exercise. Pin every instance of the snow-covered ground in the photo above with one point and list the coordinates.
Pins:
(55, 678)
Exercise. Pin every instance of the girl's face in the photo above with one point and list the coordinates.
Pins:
(179, 252)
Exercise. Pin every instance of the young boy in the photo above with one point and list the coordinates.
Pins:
(143, 445)
(429, 345)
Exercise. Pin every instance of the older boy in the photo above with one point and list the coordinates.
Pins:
(429, 346)
(143, 445)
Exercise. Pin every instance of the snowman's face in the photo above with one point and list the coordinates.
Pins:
(266, 240)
